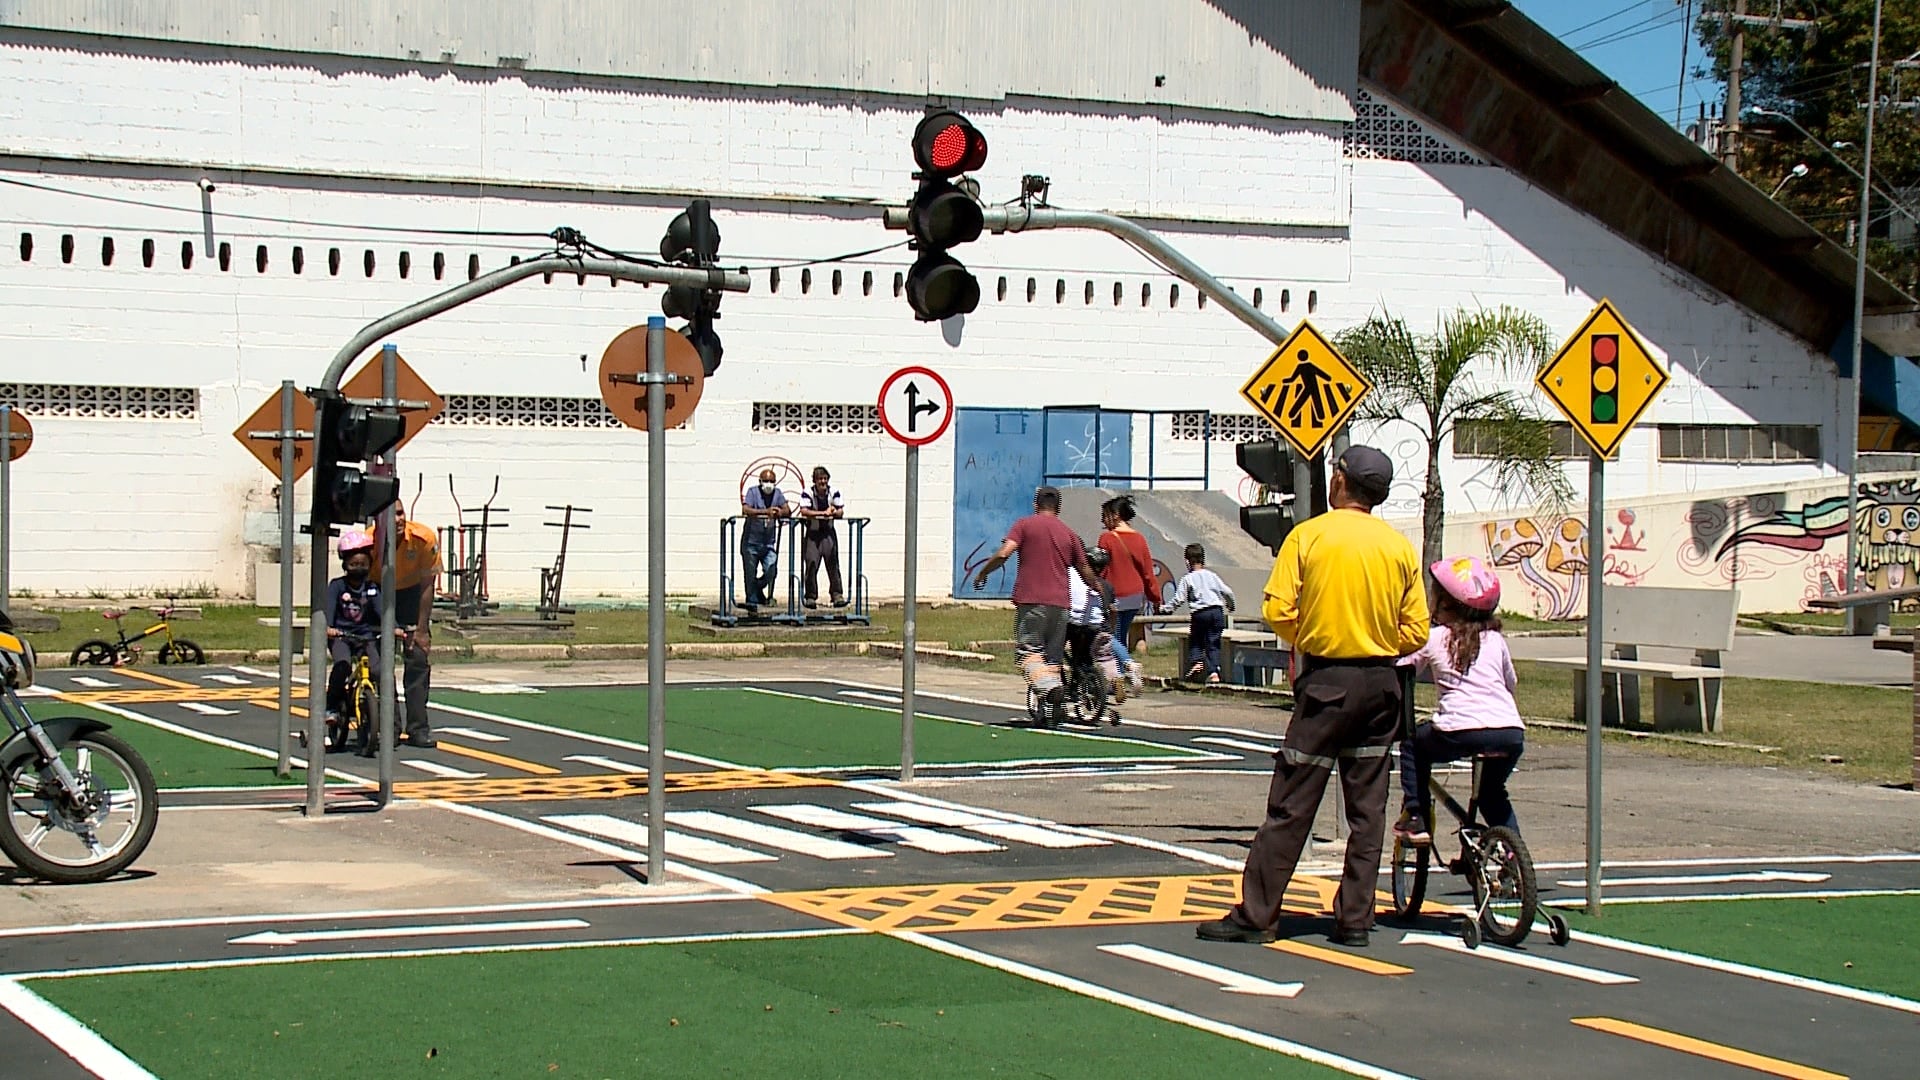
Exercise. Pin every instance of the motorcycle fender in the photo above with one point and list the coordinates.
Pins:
(60, 731)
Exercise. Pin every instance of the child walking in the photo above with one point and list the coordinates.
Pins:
(1473, 672)
(1209, 599)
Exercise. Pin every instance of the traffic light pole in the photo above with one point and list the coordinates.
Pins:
(284, 764)
(389, 395)
(6, 505)
(656, 600)
(319, 519)
(1596, 533)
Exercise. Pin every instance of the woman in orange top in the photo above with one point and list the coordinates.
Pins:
(1130, 572)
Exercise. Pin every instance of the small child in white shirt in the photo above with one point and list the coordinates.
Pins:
(1090, 624)
(1209, 599)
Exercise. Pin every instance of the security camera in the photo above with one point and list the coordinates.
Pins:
(206, 185)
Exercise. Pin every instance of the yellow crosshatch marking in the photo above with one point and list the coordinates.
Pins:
(610, 786)
(1307, 389)
(168, 696)
(1015, 905)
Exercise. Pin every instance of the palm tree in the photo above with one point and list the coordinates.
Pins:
(1462, 374)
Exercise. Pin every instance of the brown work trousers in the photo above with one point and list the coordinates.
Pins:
(1345, 716)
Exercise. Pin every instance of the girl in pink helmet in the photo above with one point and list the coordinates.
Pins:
(1476, 714)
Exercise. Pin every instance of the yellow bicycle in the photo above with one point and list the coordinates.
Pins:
(103, 653)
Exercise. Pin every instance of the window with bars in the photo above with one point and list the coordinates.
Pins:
(88, 402)
(813, 418)
(1224, 427)
(1383, 132)
(1760, 444)
(506, 410)
(1479, 439)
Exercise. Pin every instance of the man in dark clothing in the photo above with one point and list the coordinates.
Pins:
(820, 542)
(1048, 551)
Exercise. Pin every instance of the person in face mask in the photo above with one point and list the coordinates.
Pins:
(764, 506)
(352, 612)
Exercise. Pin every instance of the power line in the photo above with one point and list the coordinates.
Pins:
(1604, 18)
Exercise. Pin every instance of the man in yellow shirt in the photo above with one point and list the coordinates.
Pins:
(416, 572)
(1347, 593)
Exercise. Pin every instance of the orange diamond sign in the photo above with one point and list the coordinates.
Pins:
(266, 418)
(365, 386)
(1603, 379)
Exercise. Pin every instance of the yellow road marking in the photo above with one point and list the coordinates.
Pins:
(1701, 1048)
(608, 786)
(1335, 956)
(501, 760)
(271, 703)
(168, 695)
(157, 680)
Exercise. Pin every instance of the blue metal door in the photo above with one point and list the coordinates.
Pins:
(998, 459)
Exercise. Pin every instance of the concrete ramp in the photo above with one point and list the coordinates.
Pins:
(1172, 519)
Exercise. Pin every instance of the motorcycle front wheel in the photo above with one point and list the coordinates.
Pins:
(47, 835)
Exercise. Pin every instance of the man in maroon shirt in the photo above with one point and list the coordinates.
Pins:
(1048, 550)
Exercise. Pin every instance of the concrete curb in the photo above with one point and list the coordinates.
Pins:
(935, 652)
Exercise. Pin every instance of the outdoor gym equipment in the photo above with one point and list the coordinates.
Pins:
(793, 611)
(465, 545)
(550, 608)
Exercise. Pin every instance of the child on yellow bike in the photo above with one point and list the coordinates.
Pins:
(353, 619)
(1476, 714)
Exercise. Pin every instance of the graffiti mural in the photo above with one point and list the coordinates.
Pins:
(1888, 527)
(1551, 558)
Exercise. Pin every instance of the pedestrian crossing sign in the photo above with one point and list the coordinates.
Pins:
(1307, 390)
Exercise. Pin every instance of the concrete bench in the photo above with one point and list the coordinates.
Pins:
(1686, 697)
(1248, 650)
(1868, 613)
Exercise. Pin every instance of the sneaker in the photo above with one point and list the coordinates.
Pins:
(1196, 670)
(1411, 830)
(1133, 676)
(1230, 929)
(1213, 679)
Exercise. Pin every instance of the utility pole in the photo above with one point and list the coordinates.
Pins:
(1736, 26)
(1686, 38)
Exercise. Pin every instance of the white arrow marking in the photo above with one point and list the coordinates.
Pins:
(93, 683)
(605, 763)
(888, 699)
(483, 736)
(1520, 959)
(497, 688)
(1807, 876)
(230, 680)
(444, 771)
(1239, 744)
(299, 937)
(208, 710)
(1229, 980)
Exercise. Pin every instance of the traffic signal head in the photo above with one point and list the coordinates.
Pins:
(351, 435)
(1604, 351)
(1267, 523)
(692, 239)
(1269, 462)
(938, 287)
(946, 145)
(942, 215)
(355, 496)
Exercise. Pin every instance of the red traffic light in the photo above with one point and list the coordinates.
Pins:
(945, 144)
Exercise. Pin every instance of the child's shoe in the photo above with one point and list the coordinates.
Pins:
(1411, 830)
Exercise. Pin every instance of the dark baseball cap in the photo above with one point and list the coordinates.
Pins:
(1369, 471)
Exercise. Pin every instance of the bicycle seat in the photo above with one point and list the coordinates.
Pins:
(113, 614)
(162, 612)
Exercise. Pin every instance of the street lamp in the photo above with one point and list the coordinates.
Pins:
(1797, 172)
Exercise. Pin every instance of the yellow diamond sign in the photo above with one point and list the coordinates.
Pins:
(1307, 390)
(1603, 379)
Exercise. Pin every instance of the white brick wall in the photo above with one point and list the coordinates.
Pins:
(123, 504)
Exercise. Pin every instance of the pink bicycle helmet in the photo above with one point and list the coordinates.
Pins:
(1468, 580)
(355, 539)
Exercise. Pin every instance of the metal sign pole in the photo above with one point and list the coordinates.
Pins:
(284, 766)
(1596, 536)
(389, 393)
(908, 630)
(6, 504)
(656, 600)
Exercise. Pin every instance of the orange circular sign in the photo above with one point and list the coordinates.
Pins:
(22, 435)
(626, 359)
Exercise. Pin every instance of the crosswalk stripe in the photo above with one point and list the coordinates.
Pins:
(230, 680)
(913, 836)
(820, 847)
(208, 710)
(607, 763)
(679, 845)
(532, 767)
(446, 771)
(477, 736)
(92, 683)
(1238, 744)
(1520, 959)
(1037, 835)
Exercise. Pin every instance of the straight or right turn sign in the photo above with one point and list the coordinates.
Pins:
(916, 405)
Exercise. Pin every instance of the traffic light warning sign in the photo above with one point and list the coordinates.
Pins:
(1307, 390)
(1603, 379)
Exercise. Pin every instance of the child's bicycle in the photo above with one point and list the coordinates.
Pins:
(1495, 863)
(103, 653)
(1087, 698)
(355, 727)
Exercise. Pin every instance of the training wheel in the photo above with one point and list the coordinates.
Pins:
(1558, 930)
(1470, 933)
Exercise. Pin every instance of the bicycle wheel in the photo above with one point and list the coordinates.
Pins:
(97, 652)
(366, 708)
(1503, 886)
(1410, 863)
(182, 651)
(56, 839)
(1090, 697)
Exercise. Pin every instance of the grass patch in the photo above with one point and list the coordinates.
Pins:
(1867, 942)
(770, 731)
(176, 760)
(852, 1007)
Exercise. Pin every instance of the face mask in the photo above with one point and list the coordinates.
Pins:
(766, 489)
(357, 575)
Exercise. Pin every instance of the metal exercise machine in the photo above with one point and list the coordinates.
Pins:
(734, 611)
(550, 608)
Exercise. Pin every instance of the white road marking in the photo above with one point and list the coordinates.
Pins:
(470, 733)
(496, 688)
(1229, 980)
(613, 764)
(1520, 959)
(368, 933)
(679, 846)
(446, 772)
(820, 847)
(230, 680)
(1730, 968)
(204, 709)
(1153, 1008)
(93, 683)
(1696, 898)
(913, 836)
(76, 1040)
(1745, 860)
(1037, 835)
(887, 699)
(1238, 744)
(535, 828)
(1802, 876)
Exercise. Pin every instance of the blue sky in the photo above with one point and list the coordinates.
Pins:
(1636, 42)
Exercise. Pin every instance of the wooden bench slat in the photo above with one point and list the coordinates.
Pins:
(1639, 667)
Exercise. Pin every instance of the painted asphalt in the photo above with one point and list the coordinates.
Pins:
(1109, 914)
